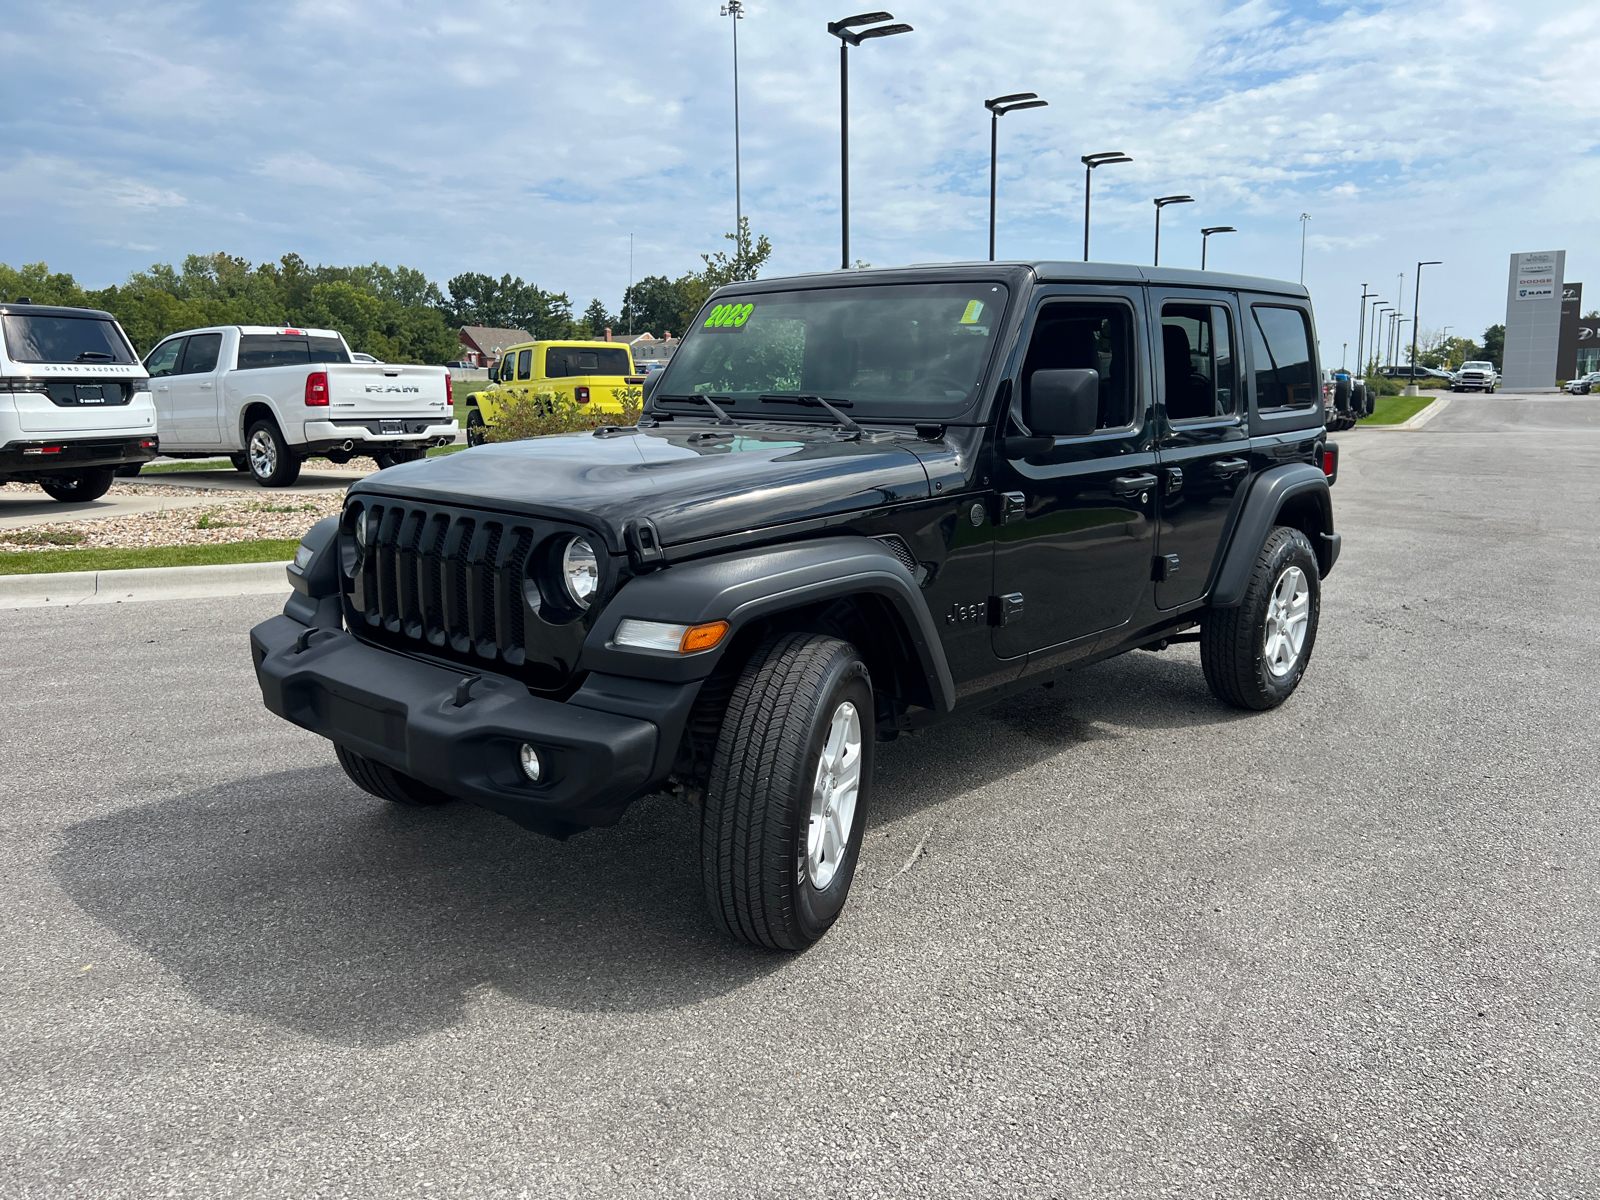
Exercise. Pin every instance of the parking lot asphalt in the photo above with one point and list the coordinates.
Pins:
(1150, 947)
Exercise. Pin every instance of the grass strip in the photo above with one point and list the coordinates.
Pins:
(217, 464)
(1396, 410)
(42, 562)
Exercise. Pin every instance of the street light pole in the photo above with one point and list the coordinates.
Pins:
(1304, 217)
(1160, 203)
(735, 9)
(1378, 307)
(1090, 162)
(1416, 301)
(999, 107)
(1361, 329)
(1205, 237)
(843, 30)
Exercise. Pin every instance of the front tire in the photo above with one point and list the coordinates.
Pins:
(82, 487)
(786, 804)
(128, 470)
(393, 458)
(1255, 654)
(270, 459)
(388, 784)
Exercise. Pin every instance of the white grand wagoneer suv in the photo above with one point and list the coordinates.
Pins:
(75, 402)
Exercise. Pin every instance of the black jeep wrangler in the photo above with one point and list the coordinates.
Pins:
(857, 504)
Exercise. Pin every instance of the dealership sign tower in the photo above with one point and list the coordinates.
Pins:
(1533, 321)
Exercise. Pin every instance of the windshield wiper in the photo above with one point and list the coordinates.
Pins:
(722, 417)
(93, 354)
(813, 402)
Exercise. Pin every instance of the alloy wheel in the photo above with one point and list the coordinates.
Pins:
(263, 454)
(833, 796)
(1288, 617)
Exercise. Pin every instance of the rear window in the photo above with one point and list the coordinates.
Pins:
(328, 350)
(258, 350)
(561, 362)
(51, 339)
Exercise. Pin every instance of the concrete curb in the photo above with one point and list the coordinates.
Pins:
(63, 588)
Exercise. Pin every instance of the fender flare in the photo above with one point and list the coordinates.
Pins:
(747, 585)
(1271, 490)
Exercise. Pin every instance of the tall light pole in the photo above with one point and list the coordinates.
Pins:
(1205, 236)
(735, 9)
(1361, 329)
(1416, 324)
(1304, 217)
(999, 107)
(1160, 203)
(1090, 162)
(843, 30)
(1372, 339)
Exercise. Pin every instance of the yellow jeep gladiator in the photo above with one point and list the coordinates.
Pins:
(598, 374)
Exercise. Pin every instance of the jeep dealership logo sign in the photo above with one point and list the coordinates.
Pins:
(1536, 277)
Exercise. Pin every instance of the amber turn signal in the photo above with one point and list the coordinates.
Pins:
(702, 637)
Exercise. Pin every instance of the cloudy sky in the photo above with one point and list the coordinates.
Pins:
(498, 135)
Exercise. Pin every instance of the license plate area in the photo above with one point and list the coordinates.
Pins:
(90, 393)
(391, 427)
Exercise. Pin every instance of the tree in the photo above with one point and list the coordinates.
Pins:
(507, 303)
(596, 320)
(654, 305)
(748, 258)
(1494, 344)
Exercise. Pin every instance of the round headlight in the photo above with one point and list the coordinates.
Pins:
(580, 571)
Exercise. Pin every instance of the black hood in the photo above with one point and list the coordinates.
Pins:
(692, 481)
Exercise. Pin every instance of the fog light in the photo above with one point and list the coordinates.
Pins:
(531, 766)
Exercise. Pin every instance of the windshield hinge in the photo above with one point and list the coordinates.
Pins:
(644, 544)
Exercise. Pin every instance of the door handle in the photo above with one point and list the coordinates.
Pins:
(162, 388)
(1129, 485)
(1231, 466)
(206, 386)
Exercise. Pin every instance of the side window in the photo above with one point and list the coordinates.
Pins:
(201, 356)
(1197, 361)
(524, 364)
(1280, 340)
(163, 359)
(1096, 337)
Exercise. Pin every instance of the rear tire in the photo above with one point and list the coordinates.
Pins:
(392, 458)
(786, 803)
(80, 488)
(268, 455)
(477, 431)
(1255, 654)
(388, 784)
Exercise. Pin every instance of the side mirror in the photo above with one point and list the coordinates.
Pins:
(1063, 403)
(651, 382)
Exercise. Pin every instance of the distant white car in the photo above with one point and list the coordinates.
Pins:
(358, 356)
(1476, 377)
(270, 398)
(1583, 385)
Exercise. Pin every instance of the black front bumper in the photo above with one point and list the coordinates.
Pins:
(402, 712)
(16, 461)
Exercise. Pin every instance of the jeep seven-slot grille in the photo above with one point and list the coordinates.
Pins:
(451, 583)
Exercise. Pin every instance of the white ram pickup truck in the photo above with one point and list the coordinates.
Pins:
(74, 401)
(271, 397)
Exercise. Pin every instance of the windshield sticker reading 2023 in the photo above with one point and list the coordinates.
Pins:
(728, 318)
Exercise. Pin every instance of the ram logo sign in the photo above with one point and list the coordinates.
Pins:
(402, 389)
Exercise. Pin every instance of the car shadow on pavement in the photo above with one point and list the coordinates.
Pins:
(295, 898)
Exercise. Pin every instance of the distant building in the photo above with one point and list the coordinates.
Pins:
(482, 347)
(647, 348)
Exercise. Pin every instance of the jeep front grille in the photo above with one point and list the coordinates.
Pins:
(457, 584)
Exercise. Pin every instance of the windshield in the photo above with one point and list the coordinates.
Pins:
(52, 339)
(1477, 366)
(911, 350)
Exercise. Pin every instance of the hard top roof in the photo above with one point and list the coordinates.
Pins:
(1043, 271)
(52, 310)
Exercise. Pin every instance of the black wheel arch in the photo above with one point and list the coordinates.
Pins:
(853, 587)
(1294, 494)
